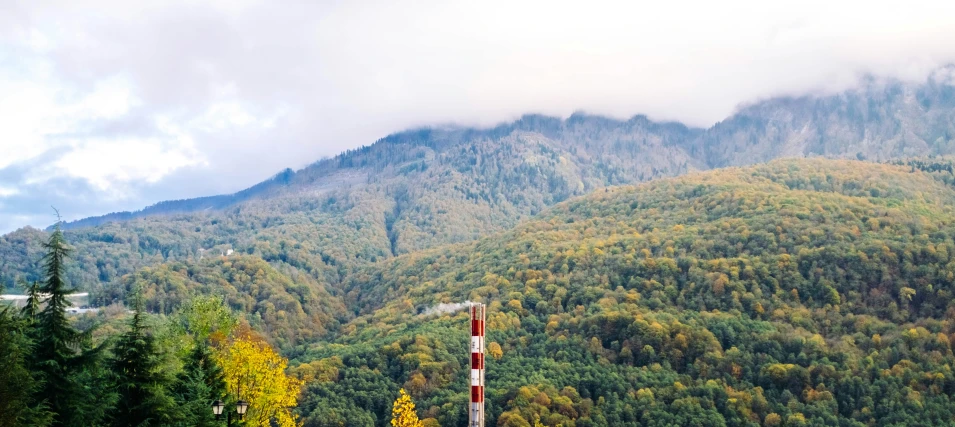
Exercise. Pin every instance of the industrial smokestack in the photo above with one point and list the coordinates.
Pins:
(476, 411)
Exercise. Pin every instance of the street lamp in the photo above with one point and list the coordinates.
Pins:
(218, 407)
(240, 407)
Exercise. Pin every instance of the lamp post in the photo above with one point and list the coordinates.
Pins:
(240, 407)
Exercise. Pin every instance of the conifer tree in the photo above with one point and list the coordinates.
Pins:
(55, 353)
(140, 382)
(68, 369)
(198, 385)
(30, 311)
(403, 412)
(29, 314)
(17, 383)
(202, 380)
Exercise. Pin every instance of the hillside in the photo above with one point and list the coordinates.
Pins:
(291, 309)
(811, 292)
(807, 291)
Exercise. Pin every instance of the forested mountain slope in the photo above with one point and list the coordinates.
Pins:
(408, 192)
(424, 188)
(289, 308)
(800, 292)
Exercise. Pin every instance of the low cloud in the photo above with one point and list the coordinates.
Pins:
(140, 95)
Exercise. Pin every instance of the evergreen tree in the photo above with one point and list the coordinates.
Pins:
(140, 381)
(17, 383)
(198, 385)
(57, 341)
(201, 380)
(30, 311)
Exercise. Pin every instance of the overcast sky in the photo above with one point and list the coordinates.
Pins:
(119, 104)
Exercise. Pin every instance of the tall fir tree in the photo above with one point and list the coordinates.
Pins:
(140, 382)
(200, 383)
(57, 346)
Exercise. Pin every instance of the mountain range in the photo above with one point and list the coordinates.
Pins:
(879, 120)
(636, 272)
(422, 188)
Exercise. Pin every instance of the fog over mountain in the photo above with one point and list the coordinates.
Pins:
(139, 103)
(557, 158)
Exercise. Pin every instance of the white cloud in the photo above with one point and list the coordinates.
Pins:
(111, 164)
(231, 115)
(133, 93)
(110, 98)
(8, 191)
(23, 118)
(39, 114)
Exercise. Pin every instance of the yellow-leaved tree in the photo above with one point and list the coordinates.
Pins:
(254, 372)
(403, 413)
(494, 349)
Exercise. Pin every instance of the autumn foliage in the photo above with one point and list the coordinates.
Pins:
(256, 373)
(809, 292)
(403, 413)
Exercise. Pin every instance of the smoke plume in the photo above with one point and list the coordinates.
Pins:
(446, 308)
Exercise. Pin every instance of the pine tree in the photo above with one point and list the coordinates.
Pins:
(403, 413)
(140, 382)
(55, 354)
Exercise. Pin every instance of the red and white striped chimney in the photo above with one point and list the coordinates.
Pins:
(476, 412)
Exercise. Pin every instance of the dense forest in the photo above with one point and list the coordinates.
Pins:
(132, 368)
(798, 292)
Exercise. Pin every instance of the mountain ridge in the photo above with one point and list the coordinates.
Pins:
(433, 137)
(880, 121)
(429, 187)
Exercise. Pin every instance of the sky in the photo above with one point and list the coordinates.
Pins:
(114, 105)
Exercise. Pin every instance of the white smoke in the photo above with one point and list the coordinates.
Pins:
(446, 308)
